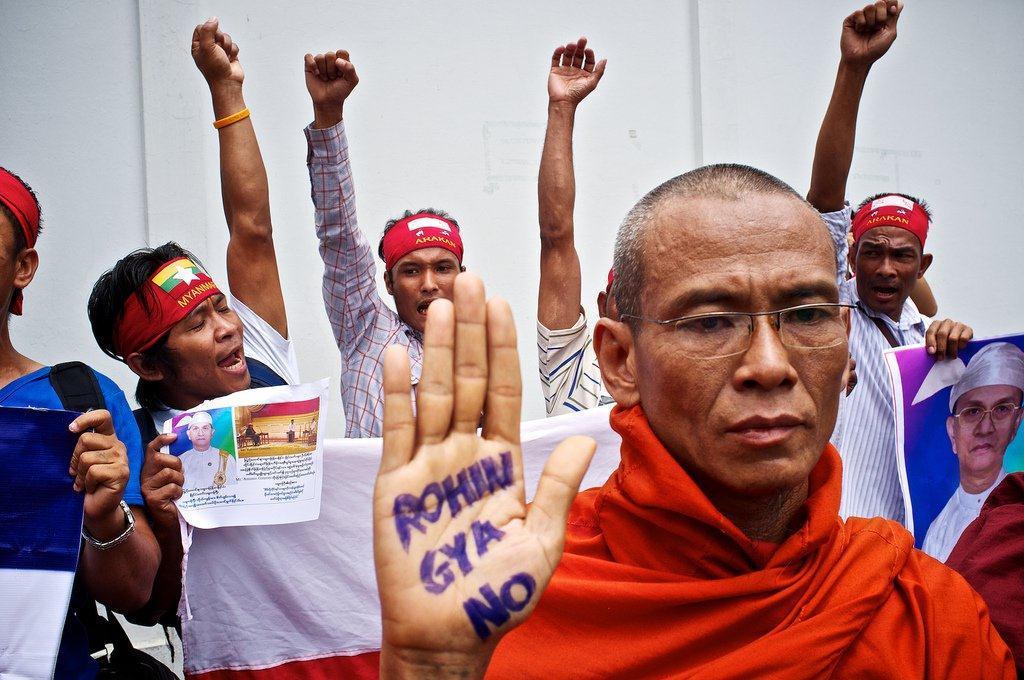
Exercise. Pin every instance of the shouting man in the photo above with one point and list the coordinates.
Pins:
(421, 251)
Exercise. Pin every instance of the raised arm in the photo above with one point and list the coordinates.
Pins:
(252, 263)
(574, 74)
(867, 35)
(349, 285)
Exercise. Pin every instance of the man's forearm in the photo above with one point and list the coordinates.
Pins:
(556, 186)
(167, 583)
(243, 176)
(122, 577)
(833, 153)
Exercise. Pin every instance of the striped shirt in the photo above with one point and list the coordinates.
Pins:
(569, 373)
(363, 325)
(866, 429)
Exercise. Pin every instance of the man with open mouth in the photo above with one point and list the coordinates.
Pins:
(159, 311)
(422, 254)
(888, 261)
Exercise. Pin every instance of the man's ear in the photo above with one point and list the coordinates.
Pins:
(602, 299)
(462, 268)
(951, 431)
(851, 257)
(616, 354)
(389, 284)
(25, 266)
(926, 261)
(145, 368)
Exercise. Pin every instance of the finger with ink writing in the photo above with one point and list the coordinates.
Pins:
(460, 558)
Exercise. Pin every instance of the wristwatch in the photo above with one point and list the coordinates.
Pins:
(129, 519)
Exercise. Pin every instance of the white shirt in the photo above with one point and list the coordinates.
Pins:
(200, 468)
(261, 342)
(865, 432)
(961, 509)
(569, 373)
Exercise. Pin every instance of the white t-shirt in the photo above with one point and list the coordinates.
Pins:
(261, 342)
(201, 467)
(570, 375)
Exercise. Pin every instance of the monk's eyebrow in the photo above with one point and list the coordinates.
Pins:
(808, 291)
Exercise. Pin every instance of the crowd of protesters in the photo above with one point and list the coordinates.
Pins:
(754, 527)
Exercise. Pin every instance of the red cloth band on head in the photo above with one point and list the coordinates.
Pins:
(172, 292)
(611, 280)
(419, 231)
(892, 211)
(17, 198)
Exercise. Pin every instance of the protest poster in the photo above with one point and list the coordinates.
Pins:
(253, 457)
(956, 433)
(40, 534)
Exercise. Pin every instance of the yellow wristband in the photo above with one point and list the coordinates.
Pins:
(233, 118)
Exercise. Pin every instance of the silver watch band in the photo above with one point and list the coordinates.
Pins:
(117, 540)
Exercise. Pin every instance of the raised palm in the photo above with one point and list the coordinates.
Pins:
(574, 73)
(870, 32)
(460, 559)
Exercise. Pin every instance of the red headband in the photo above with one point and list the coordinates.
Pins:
(17, 198)
(419, 231)
(611, 280)
(892, 211)
(177, 287)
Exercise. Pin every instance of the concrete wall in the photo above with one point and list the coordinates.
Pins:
(104, 113)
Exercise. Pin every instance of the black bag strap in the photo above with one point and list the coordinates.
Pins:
(886, 332)
(77, 387)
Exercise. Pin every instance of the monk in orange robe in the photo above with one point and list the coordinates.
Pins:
(716, 549)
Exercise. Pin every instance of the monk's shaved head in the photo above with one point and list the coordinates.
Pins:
(727, 181)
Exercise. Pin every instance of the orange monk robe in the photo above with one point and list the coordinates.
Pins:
(656, 583)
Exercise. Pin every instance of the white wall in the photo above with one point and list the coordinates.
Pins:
(104, 113)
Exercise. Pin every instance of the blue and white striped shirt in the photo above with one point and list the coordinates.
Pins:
(865, 432)
(569, 372)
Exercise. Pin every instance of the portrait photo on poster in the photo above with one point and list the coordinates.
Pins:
(206, 447)
(957, 424)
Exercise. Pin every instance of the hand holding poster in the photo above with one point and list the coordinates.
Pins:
(956, 429)
(252, 457)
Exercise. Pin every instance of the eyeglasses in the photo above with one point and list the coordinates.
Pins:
(1000, 413)
(723, 334)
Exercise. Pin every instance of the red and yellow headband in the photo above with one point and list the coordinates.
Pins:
(177, 288)
(892, 211)
(19, 201)
(423, 230)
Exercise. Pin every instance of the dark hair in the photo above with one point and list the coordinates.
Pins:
(19, 237)
(924, 206)
(108, 298)
(409, 213)
(727, 181)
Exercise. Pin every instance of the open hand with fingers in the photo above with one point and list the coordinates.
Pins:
(574, 73)
(330, 79)
(460, 559)
(216, 54)
(868, 33)
(99, 465)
